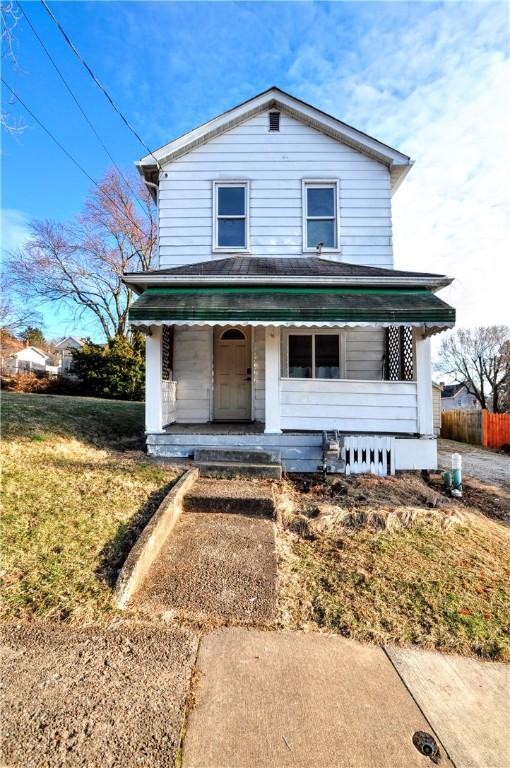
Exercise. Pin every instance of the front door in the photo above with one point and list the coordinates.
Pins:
(232, 374)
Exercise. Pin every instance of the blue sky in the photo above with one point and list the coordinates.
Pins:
(427, 78)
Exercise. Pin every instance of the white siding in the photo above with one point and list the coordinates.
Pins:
(275, 164)
(193, 373)
(360, 406)
(364, 352)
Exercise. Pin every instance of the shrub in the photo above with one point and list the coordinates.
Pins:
(30, 382)
(25, 382)
(114, 371)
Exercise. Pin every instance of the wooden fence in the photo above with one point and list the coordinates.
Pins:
(476, 427)
(495, 429)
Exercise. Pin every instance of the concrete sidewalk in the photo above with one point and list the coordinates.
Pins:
(289, 699)
(294, 699)
(466, 701)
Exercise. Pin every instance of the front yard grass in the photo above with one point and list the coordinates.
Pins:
(438, 579)
(73, 502)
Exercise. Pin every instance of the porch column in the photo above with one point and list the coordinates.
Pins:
(272, 380)
(153, 389)
(424, 384)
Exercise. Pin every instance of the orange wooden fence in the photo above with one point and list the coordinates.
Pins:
(495, 429)
(476, 427)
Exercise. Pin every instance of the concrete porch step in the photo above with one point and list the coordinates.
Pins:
(227, 469)
(237, 455)
(242, 498)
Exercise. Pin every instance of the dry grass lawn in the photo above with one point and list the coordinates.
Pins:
(392, 561)
(75, 496)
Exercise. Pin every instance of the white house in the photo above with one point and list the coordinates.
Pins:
(456, 396)
(63, 351)
(27, 359)
(276, 313)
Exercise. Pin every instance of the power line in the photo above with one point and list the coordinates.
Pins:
(66, 152)
(97, 82)
(75, 99)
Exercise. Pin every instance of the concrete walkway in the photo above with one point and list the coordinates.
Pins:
(217, 566)
(293, 699)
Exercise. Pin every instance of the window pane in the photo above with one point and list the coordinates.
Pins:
(231, 201)
(327, 356)
(321, 202)
(320, 232)
(300, 357)
(231, 233)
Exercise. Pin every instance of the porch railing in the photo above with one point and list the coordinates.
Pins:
(168, 397)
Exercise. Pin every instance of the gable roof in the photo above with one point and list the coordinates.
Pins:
(35, 349)
(398, 163)
(452, 390)
(69, 338)
(310, 270)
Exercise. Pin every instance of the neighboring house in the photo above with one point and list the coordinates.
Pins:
(27, 359)
(276, 304)
(456, 396)
(63, 352)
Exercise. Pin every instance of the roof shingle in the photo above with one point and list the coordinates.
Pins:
(266, 266)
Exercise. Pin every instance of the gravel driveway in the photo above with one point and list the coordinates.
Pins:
(478, 462)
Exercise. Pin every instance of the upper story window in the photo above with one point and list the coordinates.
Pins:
(231, 215)
(320, 215)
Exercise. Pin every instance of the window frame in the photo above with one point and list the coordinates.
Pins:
(320, 184)
(217, 184)
(315, 332)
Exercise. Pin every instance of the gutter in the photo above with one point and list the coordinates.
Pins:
(139, 283)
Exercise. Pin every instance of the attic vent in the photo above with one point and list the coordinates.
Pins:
(274, 121)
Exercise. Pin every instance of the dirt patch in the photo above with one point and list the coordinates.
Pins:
(93, 697)
(311, 507)
(218, 566)
(492, 500)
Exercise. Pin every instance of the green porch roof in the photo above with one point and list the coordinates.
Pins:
(291, 305)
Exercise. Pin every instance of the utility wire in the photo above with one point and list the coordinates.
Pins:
(65, 151)
(97, 82)
(75, 99)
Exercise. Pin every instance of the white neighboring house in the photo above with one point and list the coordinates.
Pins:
(63, 352)
(28, 359)
(276, 313)
(456, 396)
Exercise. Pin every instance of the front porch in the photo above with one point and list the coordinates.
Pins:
(301, 346)
(289, 406)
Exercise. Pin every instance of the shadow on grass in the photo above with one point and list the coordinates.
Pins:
(116, 550)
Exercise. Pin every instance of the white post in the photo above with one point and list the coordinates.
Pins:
(272, 380)
(153, 389)
(424, 385)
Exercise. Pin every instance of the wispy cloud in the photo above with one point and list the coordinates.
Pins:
(435, 87)
(15, 230)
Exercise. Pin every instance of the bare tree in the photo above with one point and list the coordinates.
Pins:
(478, 358)
(81, 263)
(10, 16)
(16, 315)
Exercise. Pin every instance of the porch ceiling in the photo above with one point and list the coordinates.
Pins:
(329, 307)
